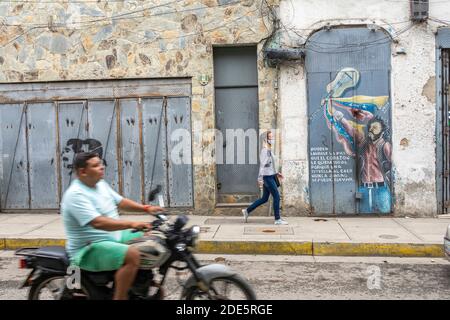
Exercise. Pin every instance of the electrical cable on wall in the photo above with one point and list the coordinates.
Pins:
(158, 38)
(124, 16)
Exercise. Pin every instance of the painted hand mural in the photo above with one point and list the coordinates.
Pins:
(364, 136)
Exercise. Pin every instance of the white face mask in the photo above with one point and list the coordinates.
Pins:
(271, 141)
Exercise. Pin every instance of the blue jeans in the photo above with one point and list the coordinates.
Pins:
(269, 187)
(375, 200)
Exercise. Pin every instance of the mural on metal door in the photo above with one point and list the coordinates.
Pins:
(75, 145)
(364, 137)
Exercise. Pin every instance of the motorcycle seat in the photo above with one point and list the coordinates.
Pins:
(53, 257)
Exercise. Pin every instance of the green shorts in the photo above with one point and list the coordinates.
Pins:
(104, 255)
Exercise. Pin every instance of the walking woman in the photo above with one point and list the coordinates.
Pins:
(267, 179)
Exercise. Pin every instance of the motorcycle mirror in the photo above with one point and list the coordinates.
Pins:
(180, 222)
(153, 193)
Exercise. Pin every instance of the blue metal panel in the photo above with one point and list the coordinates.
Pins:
(443, 38)
(320, 144)
(359, 48)
(72, 134)
(237, 109)
(131, 154)
(235, 66)
(348, 90)
(236, 101)
(102, 117)
(14, 176)
(153, 116)
(179, 152)
(41, 118)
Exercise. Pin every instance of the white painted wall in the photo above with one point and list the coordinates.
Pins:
(413, 112)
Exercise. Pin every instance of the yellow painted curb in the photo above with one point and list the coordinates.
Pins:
(255, 247)
(378, 249)
(12, 244)
(278, 248)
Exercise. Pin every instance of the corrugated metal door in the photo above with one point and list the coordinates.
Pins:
(102, 124)
(236, 90)
(348, 75)
(155, 151)
(41, 129)
(72, 123)
(131, 155)
(118, 119)
(14, 173)
(179, 151)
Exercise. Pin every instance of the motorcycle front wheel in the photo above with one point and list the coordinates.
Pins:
(224, 288)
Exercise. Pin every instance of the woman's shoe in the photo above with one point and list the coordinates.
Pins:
(281, 221)
(245, 214)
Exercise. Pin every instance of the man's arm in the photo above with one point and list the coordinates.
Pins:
(108, 224)
(262, 162)
(130, 205)
(339, 116)
(388, 151)
(362, 115)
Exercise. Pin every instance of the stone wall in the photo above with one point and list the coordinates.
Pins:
(138, 39)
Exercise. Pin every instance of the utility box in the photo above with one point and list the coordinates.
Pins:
(419, 10)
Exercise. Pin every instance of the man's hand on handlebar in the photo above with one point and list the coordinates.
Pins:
(141, 226)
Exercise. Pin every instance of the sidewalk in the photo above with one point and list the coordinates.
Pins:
(403, 237)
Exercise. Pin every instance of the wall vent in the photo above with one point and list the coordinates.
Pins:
(419, 10)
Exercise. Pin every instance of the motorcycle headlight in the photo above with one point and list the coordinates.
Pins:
(194, 233)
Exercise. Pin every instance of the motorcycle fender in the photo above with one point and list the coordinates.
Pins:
(31, 277)
(208, 273)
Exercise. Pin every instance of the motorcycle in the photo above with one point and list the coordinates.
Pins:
(163, 248)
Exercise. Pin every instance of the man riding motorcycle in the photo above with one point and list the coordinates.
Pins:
(95, 235)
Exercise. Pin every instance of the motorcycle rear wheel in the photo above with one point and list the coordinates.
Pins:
(219, 290)
(51, 287)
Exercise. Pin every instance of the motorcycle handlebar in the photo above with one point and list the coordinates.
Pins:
(161, 218)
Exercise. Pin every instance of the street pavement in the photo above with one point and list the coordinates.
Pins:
(287, 277)
(341, 236)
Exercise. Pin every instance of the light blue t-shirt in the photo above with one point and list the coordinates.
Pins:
(82, 204)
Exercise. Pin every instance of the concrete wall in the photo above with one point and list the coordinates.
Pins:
(145, 39)
(412, 93)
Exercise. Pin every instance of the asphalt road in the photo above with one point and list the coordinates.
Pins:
(298, 277)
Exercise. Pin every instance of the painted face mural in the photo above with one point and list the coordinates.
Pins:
(364, 136)
(74, 146)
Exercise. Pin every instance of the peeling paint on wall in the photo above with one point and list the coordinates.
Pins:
(429, 90)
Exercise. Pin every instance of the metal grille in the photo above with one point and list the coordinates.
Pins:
(419, 10)
(445, 130)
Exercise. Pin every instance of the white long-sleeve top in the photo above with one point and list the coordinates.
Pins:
(267, 164)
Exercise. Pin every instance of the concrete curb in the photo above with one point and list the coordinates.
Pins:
(13, 244)
(256, 247)
(308, 248)
(379, 249)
